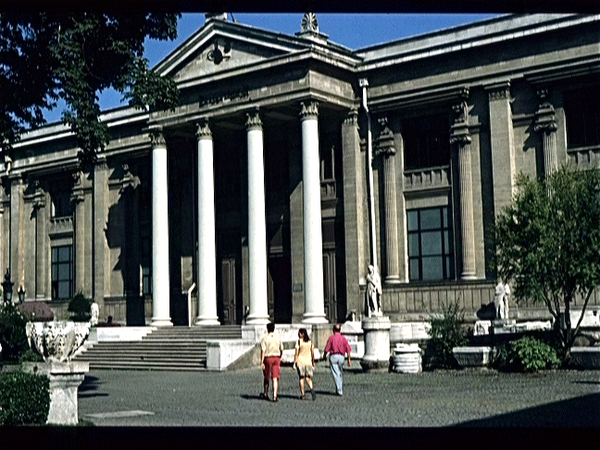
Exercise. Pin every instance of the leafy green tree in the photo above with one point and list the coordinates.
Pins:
(548, 242)
(74, 57)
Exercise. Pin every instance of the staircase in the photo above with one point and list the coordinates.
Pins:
(168, 348)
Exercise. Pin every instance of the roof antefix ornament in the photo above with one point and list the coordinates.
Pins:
(310, 28)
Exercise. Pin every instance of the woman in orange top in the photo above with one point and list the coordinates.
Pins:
(304, 361)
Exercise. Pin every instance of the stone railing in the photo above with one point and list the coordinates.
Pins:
(328, 189)
(61, 225)
(585, 156)
(430, 178)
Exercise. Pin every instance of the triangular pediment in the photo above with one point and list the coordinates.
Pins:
(222, 46)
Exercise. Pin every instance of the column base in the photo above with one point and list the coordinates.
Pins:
(206, 321)
(468, 276)
(257, 320)
(314, 318)
(158, 322)
(394, 279)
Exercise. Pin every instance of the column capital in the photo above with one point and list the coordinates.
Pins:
(352, 117)
(459, 131)
(158, 139)
(309, 109)
(39, 199)
(499, 90)
(203, 129)
(253, 120)
(545, 119)
(385, 141)
(128, 181)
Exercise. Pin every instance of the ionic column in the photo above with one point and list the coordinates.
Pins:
(460, 136)
(160, 234)
(314, 311)
(257, 225)
(207, 253)
(39, 204)
(78, 197)
(546, 123)
(100, 219)
(385, 147)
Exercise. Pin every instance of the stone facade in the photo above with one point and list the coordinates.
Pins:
(175, 199)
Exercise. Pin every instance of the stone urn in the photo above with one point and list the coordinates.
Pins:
(57, 342)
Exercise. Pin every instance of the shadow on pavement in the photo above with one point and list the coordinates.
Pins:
(580, 412)
(90, 383)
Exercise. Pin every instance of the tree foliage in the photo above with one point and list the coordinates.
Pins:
(548, 242)
(74, 57)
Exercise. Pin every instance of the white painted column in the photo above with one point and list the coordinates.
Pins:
(257, 224)
(207, 253)
(314, 311)
(160, 234)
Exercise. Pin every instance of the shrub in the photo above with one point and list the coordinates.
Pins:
(81, 307)
(526, 354)
(12, 333)
(446, 333)
(24, 398)
(31, 355)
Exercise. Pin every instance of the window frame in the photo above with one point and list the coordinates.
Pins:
(447, 247)
(55, 264)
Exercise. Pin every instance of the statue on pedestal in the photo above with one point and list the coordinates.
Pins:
(373, 293)
(95, 310)
(501, 297)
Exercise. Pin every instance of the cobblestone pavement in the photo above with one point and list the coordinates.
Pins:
(472, 398)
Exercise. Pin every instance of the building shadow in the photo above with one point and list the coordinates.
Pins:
(580, 412)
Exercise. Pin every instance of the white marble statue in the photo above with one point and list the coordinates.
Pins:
(95, 310)
(373, 293)
(501, 297)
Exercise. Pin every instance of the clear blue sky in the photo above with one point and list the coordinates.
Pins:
(350, 30)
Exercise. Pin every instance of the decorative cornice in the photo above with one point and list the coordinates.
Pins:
(253, 120)
(203, 129)
(309, 109)
(545, 115)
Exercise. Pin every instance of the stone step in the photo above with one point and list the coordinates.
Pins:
(173, 348)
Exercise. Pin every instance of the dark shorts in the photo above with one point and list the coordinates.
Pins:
(272, 367)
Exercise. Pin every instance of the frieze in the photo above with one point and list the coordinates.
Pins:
(203, 129)
(220, 97)
(253, 120)
(309, 109)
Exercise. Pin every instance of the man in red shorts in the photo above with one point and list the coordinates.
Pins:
(271, 349)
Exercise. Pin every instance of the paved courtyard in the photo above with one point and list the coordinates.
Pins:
(472, 398)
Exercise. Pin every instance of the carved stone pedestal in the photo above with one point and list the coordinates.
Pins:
(65, 378)
(377, 343)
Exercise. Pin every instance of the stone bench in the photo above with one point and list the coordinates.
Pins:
(586, 357)
(472, 356)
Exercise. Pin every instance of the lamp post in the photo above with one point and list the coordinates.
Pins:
(21, 294)
(7, 287)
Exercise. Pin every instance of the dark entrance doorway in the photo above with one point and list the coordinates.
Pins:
(229, 279)
(279, 288)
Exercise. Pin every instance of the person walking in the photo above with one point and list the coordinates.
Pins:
(337, 347)
(304, 362)
(271, 349)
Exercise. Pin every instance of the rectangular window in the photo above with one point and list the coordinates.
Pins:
(426, 142)
(60, 197)
(62, 272)
(146, 266)
(430, 248)
(583, 117)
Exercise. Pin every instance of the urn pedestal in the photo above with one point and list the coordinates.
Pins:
(377, 343)
(65, 378)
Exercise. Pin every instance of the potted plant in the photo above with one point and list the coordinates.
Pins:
(80, 307)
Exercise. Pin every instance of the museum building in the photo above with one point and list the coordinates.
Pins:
(292, 163)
